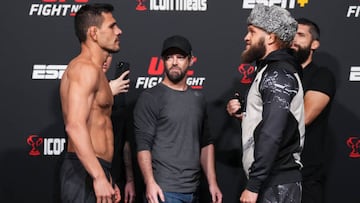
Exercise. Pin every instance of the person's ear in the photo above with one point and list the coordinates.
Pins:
(192, 60)
(93, 32)
(270, 38)
(315, 44)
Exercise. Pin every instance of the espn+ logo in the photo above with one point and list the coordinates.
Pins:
(249, 4)
(48, 72)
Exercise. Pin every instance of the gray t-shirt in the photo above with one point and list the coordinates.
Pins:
(172, 125)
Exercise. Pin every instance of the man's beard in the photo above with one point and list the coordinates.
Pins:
(254, 53)
(302, 54)
(175, 77)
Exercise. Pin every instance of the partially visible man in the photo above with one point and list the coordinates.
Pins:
(121, 166)
(273, 121)
(172, 135)
(86, 100)
(319, 91)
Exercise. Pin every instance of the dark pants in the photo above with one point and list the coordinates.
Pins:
(312, 191)
(286, 193)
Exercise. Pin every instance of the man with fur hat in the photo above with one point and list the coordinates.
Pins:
(273, 122)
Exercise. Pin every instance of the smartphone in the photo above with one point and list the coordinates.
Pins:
(121, 67)
(242, 102)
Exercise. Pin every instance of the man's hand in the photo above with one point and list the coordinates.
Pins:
(130, 192)
(248, 197)
(216, 195)
(153, 193)
(120, 85)
(232, 107)
(117, 196)
(104, 191)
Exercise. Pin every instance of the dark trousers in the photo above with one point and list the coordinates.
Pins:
(312, 191)
(281, 194)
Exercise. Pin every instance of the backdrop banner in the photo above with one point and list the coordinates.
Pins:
(38, 41)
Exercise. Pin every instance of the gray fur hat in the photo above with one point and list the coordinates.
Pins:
(274, 19)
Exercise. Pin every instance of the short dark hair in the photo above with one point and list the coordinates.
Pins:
(314, 28)
(90, 15)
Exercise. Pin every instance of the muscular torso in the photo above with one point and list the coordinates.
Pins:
(96, 95)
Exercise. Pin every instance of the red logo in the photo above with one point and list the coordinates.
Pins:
(156, 67)
(141, 6)
(34, 141)
(156, 70)
(246, 70)
(353, 143)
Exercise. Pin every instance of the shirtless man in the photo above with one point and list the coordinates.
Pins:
(87, 100)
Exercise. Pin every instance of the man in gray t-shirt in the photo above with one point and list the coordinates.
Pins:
(171, 131)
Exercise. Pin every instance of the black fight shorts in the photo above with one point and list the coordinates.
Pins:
(76, 184)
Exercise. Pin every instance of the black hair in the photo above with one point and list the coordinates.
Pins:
(90, 15)
(314, 28)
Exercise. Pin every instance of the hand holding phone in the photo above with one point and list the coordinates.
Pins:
(121, 67)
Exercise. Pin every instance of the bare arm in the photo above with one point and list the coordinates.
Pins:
(129, 186)
(314, 104)
(208, 165)
(153, 191)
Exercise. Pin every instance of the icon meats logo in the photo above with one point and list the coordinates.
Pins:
(172, 5)
(50, 146)
(56, 7)
(354, 144)
(246, 71)
(156, 70)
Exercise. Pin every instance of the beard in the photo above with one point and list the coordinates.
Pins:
(254, 53)
(302, 54)
(175, 77)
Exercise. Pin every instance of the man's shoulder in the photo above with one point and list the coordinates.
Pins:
(81, 64)
(316, 71)
(283, 65)
(80, 68)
